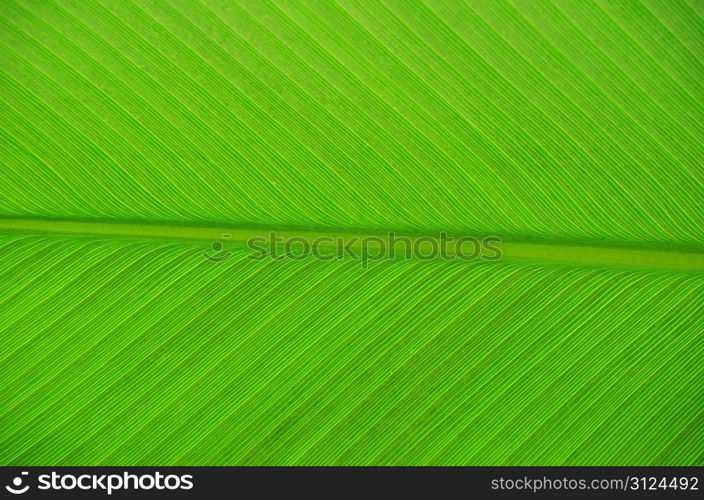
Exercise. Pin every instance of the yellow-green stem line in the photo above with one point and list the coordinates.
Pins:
(512, 250)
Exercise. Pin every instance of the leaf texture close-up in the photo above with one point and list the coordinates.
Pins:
(145, 144)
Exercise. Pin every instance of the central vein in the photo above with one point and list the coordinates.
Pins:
(680, 260)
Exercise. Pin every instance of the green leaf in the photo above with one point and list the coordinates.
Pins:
(135, 134)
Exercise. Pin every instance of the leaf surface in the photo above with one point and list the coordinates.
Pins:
(135, 133)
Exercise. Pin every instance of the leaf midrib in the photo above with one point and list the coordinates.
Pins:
(646, 257)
